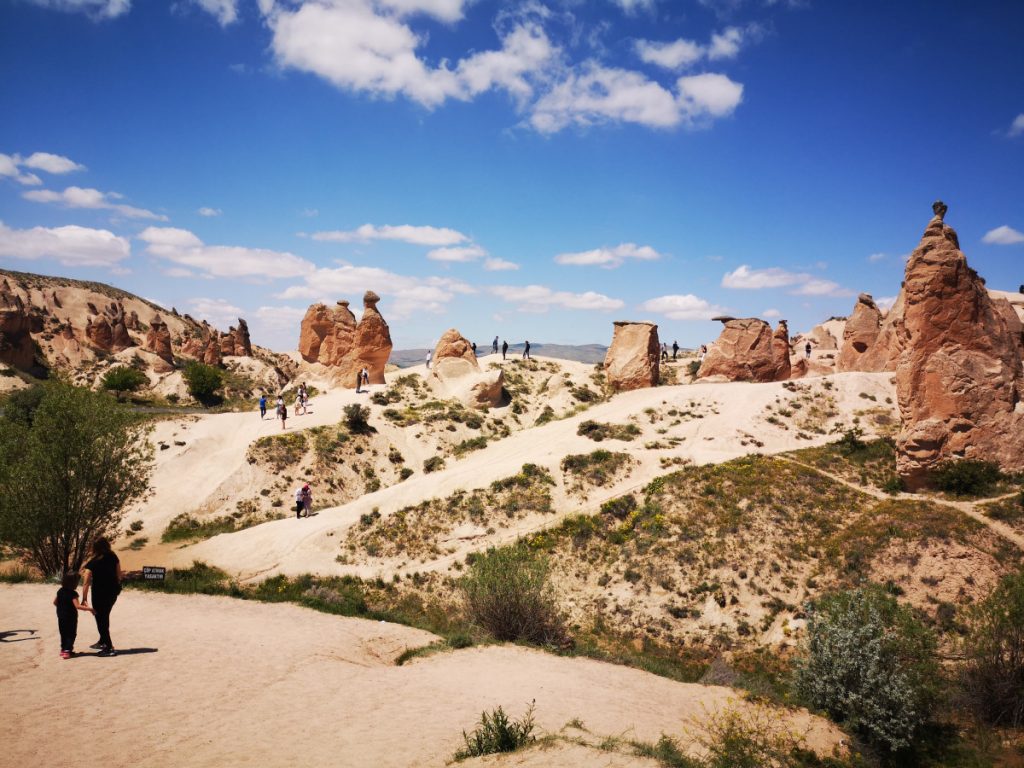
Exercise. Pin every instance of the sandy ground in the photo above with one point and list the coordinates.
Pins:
(211, 681)
(731, 413)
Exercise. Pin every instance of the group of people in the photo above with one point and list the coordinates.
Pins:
(303, 501)
(103, 577)
(664, 351)
(281, 408)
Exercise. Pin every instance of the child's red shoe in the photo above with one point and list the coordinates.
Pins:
(65, 654)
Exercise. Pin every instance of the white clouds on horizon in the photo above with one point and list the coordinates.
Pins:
(406, 233)
(220, 313)
(801, 283)
(185, 249)
(91, 199)
(70, 245)
(682, 53)
(457, 254)
(609, 258)
(499, 265)
(56, 164)
(683, 307)
(540, 298)
(1003, 235)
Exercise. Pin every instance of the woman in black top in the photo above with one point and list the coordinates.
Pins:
(103, 574)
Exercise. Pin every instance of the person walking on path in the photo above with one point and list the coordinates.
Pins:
(103, 576)
(307, 500)
(365, 375)
(504, 349)
(300, 503)
(494, 344)
(526, 351)
(263, 405)
(675, 349)
(430, 355)
(282, 413)
(67, 612)
(664, 352)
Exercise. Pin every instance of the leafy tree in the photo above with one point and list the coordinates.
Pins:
(356, 419)
(994, 649)
(203, 381)
(20, 407)
(124, 379)
(69, 475)
(871, 663)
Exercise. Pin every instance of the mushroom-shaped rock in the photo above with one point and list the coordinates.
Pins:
(457, 373)
(633, 359)
(780, 352)
(959, 381)
(158, 341)
(371, 346)
(860, 335)
(745, 351)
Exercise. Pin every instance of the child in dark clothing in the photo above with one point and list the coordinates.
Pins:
(67, 613)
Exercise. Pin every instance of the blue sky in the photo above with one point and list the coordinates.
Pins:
(534, 170)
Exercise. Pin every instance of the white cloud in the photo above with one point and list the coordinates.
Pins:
(92, 199)
(207, 211)
(460, 254)
(44, 161)
(1003, 235)
(445, 10)
(218, 312)
(309, 213)
(406, 233)
(540, 298)
(9, 168)
(874, 258)
(69, 245)
(225, 11)
(406, 294)
(630, 7)
(97, 9)
(609, 258)
(499, 265)
(1017, 126)
(682, 53)
(885, 302)
(598, 94)
(802, 283)
(186, 250)
(683, 307)
(771, 314)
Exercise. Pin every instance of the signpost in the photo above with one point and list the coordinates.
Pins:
(153, 573)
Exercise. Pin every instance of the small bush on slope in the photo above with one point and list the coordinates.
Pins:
(508, 592)
(497, 733)
(870, 663)
(966, 477)
(994, 648)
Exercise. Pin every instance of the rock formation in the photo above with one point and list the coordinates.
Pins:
(119, 337)
(780, 352)
(242, 342)
(959, 381)
(212, 354)
(333, 338)
(634, 357)
(99, 333)
(455, 368)
(16, 346)
(747, 350)
(158, 341)
(1013, 321)
(860, 334)
(132, 321)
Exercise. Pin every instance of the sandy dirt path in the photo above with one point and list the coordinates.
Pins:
(215, 681)
(730, 414)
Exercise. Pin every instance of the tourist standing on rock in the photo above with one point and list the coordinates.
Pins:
(67, 612)
(807, 350)
(703, 351)
(103, 575)
(307, 500)
(473, 345)
(675, 349)
(263, 405)
(494, 345)
(430, 355)
(526, 351)
(504, 349)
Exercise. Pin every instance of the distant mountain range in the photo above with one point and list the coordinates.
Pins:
(581, 353)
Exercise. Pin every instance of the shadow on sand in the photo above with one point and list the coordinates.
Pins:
(11, 635)
(120, 652)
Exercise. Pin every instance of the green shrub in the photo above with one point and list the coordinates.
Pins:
(598, 431)
(693, 368)
(20, 406)
(966, 477)
(870, 663)
(508, 592)
(994, 650)
(433, 464)
(473, 444)
(496, 733)
(356, 419)
(619, 508)
(203, 381)
(123, 379)
(851, 442)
